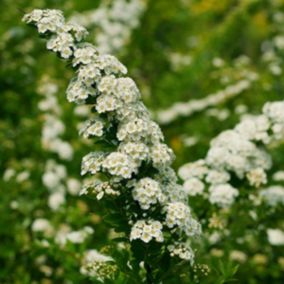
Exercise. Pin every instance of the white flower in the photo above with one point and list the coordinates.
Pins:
(134, 130)
(257, 177)
(56, 200)
(217, 177)
(50, 180)
(147, 192)
(107, 85)
(182, 250)
(62, 43)
(50, 20)
(84, 55)
(93, 255)
(78, 92)
(161, 155)
(107, 103)
(278, 176)
(110, 64)
(196, 169)
(127, 90)
(99, 188)
(92, 128)
(222, 194)
(92, 163)
(119, 164)
(177, 214)
(95, 264)
(63, 149)
(8, 174)
(254, 128)
(138, 151)
(193, 186)
(73, 186)
(146, 230)
(22, 176)
(238, 256)
(275, 237)
(53, 175)
(89, 74)
(41, 225)
(78, 237)
(273, 195)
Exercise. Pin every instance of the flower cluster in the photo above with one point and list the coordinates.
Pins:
(92, 128)
(114, 23)
(98, 265)
(177, 214)
(61, 234)
(182, 250)
(54, 180)
(273, 195)
(146, 230)
(222, 194)
(275, 237)
(99, 188)
(147, 192)
(134, 154)
(240, 152)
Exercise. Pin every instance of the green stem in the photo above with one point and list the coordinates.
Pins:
(149, 275)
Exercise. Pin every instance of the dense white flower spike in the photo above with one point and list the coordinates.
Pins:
(114, 22)
(240, 152)
(134, 165)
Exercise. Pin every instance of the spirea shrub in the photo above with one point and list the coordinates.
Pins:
(129, 171)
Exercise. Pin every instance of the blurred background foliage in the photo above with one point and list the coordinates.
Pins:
(181, 50)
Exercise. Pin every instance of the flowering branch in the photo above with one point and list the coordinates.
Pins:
(130, 171)
(244, 81)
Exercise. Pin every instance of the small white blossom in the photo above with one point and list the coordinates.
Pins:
(275, 237)
(193, 186)
(147, 192)
(257, 177)
(273, 195)
(181, 250)
(222, 194)
(119, 164)
(92, 128)
(84, 55)
(92, 163)
(161, 155)
(147, 230)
